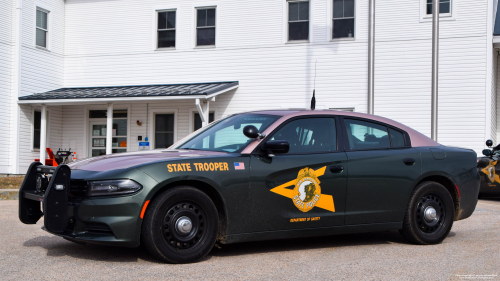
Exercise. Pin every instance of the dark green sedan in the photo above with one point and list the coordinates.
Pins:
(259, 176)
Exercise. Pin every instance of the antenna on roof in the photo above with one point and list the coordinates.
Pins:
(313, 100)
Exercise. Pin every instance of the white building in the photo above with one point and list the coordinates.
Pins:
(267, 49)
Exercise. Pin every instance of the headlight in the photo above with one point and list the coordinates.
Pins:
(113, 187)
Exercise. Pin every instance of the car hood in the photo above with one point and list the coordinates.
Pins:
(131, 159)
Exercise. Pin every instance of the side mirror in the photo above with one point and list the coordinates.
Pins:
(489, 143)
(252, 132)
(487, 152)
(276, 146)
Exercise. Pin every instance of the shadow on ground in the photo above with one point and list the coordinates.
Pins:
(334, 241)
(58, 247)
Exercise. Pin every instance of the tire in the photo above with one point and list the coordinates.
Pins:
(162, 232)
(419, 226)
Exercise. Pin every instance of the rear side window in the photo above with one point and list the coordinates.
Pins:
(309, 135)
(397, 138)
(366, 135)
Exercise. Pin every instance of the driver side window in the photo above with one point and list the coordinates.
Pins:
(309, 135)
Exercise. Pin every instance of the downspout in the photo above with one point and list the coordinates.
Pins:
(490, 95)
(16, 87)
(435, 69)
(371, 58)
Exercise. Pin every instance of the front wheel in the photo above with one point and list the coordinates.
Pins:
(429, 216)
(180, 225)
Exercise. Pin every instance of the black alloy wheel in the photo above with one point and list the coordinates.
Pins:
(429, 215)
(180, 225)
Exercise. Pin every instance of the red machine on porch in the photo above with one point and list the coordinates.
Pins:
(54, 160)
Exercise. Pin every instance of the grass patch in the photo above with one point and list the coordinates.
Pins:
(11, 182)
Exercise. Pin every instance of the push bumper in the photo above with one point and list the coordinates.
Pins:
(108, 221)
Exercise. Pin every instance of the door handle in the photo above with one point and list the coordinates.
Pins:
(336, 168)
(409, 161)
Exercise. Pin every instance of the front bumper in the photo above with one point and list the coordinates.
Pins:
(113, 220)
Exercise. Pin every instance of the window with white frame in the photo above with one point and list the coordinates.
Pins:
(205, 26)
(37, 117)
(41, 27)
(343, 19)
(166, 29)
(37, 124)
(298, 20)
(444, 7)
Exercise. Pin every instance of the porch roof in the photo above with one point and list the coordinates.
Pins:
(131, 93)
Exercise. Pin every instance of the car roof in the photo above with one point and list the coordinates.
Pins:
(417, 139)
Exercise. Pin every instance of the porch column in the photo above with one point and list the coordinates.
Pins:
(205, 113)
(109, 129)
(203, 109)
(43, 134)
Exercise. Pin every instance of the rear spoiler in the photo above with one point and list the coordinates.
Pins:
(54, 200)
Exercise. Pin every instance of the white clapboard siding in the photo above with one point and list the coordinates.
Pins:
(497, 96)
(54, 134)
(42, 70)
(6, 47)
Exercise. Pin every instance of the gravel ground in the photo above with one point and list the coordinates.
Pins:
(471, 251)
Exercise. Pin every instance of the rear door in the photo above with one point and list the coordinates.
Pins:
(304, 188)
(383, 168)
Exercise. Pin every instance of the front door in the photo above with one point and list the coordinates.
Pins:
(98, 137)
(304, 188)
(381, 172)
(164, 130)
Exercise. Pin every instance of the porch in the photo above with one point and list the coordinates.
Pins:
(78, 118)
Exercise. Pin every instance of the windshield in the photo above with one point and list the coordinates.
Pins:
(227, 135)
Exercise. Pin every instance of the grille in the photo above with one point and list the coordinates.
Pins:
(78, 188)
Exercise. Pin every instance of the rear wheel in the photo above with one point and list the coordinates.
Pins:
(429, 215)
(180, 225)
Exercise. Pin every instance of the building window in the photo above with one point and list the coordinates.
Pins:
(41, 27)
(205, 27)
(37, 124)
(164, 130)
(298, 20)
(444, 7)
(343, 19)
(37, 121)
(197, 120)
(166, 29)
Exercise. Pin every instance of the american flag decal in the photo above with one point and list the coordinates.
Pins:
(239, 166)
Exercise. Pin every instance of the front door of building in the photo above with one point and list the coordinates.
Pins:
(97, 144)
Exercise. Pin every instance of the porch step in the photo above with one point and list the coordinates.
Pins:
(9, 194)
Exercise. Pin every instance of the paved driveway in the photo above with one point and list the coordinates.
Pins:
(472, 250)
